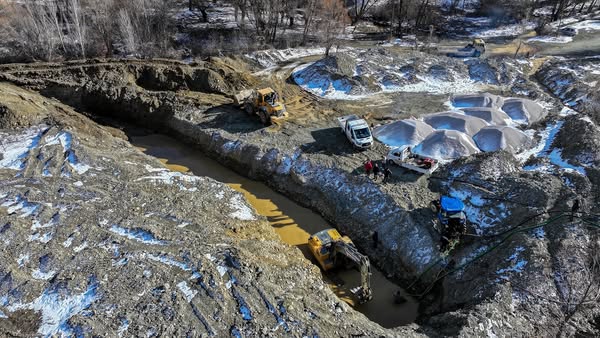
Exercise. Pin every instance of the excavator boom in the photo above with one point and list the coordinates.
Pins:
(331, 249)
(348, 250)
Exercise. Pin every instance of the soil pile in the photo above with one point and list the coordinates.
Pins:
(355, 73)
(572, 80)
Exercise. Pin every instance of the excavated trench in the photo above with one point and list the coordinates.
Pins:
(291, 221)
(354, 204)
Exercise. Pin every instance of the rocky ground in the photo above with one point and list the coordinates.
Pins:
(510, 276)
(100, 239)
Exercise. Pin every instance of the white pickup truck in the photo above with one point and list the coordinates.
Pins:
(404, 157)
(357, 131)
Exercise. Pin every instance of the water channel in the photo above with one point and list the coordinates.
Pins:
(292, 222)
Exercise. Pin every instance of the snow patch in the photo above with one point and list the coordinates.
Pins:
(168, 261)
(242, 210)
(517, 266)
(38, 274)
(551, 39)
(16, 148)
(188, 293)
(137, 234)
(23, 259)
(57, 308)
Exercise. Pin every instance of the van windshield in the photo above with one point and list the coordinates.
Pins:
(362, 133)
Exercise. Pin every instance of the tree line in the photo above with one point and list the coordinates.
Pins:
(70, 29)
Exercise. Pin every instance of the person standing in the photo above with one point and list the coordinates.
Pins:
(574, 209)
(376, 171)
(387, 174)
(375, 238)
(368, 167)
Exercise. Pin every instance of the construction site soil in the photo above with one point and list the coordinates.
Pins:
(519, 272)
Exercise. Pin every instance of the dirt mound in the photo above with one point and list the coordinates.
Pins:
(330, 75)
(454, 121)
(404, 132)
(494, 138)
(482, 71)
(523, 110)
(573, 81)
(579, 139)
(492, 116)
(374, 70)
(477, 100)
(446, 145)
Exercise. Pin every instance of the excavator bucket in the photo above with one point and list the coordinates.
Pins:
(363, 295)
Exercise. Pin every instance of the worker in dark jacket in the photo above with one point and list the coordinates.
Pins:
(376, 171)
(387, 174)
(574, 209)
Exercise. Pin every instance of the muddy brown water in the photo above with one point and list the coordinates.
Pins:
(292, 222)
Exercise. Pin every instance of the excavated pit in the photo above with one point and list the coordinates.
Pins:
(352, 203)
(292, 222)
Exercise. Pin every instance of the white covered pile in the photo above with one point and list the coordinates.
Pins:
(523, 111)
(481, 122)
(492, 116)
(447, 145)
(493, 138)
(404, 132)
(455, 121)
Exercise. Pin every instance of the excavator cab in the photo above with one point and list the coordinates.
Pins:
(331, 250)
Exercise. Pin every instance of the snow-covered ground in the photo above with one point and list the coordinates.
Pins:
(486, 27)
(272, 57)
(374, 73)
(501, 31)
(551, 39)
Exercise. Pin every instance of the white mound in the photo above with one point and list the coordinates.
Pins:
(492, 116)
(404, 132)
(455, 121)
(447, 145)
(523, 110)
(477, 100)
(494, 138)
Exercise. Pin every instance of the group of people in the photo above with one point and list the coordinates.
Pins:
(377, 170)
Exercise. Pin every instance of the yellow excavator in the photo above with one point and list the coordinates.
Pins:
(263, 102)
(332, 249)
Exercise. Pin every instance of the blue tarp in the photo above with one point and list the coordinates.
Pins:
(451, 204)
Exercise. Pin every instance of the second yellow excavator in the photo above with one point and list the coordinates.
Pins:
(332, 249)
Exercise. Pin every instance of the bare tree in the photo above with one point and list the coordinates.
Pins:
(333, 19)
(309, 14)
(128, 33)
(360, 8)
(78, 24)
(103, 16)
